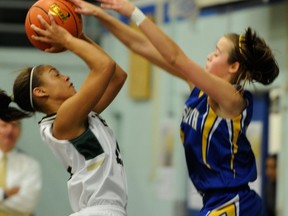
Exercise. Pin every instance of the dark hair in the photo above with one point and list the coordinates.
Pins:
(257, 62)
(21, 87)
(21, 95)
(8, 113)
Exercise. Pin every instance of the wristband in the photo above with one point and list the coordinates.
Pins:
(137, 16)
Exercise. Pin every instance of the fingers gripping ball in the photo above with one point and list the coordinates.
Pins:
(63, 12)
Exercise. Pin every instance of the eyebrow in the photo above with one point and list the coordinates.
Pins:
(217, 48)
(51, 69)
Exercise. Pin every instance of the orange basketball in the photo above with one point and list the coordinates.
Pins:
(63, 12)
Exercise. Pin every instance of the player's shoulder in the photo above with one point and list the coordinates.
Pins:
(48, 119)
(93, 115)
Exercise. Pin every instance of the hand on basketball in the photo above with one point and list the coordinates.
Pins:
(123, 7)
(51, 33)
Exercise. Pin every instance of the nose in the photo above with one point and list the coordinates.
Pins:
(66, 78)
(209, 57)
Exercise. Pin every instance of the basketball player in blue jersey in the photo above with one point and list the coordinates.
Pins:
(72, 127)
(218, 111)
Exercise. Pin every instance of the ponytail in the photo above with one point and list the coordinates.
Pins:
(5, 100)
(8, 113)
(258, 58)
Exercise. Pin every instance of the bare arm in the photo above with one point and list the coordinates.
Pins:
(72, 115)
(116, 83)
(131, 38)
(220, 91)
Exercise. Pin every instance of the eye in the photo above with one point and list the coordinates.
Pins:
(56, 74)
(217, 52)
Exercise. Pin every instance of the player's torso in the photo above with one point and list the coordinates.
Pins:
(94, 161)
(212, 144)
(103, 166)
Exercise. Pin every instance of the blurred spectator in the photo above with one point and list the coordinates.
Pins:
(20, 175)
(271, 174)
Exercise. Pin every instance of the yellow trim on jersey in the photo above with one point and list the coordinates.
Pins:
(182, 136)
(236, 123)
(95, 165)
(207, 127)
(229, 210)
(200, 94)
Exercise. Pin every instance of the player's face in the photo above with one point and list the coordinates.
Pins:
(217, 61)
(9, 134)
(56, 85)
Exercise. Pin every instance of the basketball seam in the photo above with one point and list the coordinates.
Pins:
(72, 13)
(32, 23)
(30, 19)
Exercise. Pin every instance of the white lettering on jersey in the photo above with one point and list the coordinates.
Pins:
(190, 116)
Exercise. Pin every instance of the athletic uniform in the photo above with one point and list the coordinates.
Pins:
(98, 181)
(219, 157)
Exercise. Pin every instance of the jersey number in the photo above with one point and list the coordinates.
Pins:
(117, 152)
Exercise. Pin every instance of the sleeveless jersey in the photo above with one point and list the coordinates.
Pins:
(94, 162)
(218, 153)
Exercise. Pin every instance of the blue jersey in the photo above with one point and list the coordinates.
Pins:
(218, 153)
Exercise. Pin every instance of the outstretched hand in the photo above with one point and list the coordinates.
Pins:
(51, 33)
(85, 8)
(123, 7)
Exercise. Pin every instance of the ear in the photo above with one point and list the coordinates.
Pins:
(233, 68)
(39, 92)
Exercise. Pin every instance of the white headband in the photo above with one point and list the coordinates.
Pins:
(31, 81)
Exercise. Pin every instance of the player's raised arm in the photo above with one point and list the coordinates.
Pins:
(218, 82)
(131, 38)
(116, 83)
(72, 113)
(78, 136)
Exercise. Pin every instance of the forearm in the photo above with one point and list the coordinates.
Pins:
(24, 203)
(95, 58)
(114, 87)
(128, 36)
(166, 46)
(163, 43)
(135, 41)
(25, 200)
(55, 34)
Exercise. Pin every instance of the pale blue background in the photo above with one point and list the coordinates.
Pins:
(138, 126)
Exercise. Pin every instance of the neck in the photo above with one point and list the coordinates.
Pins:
(50, 107)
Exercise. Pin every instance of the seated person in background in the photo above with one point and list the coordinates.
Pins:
(20, 175)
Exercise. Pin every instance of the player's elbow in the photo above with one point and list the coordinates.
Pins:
(108, 67)
(120, 76)
(124, 76)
